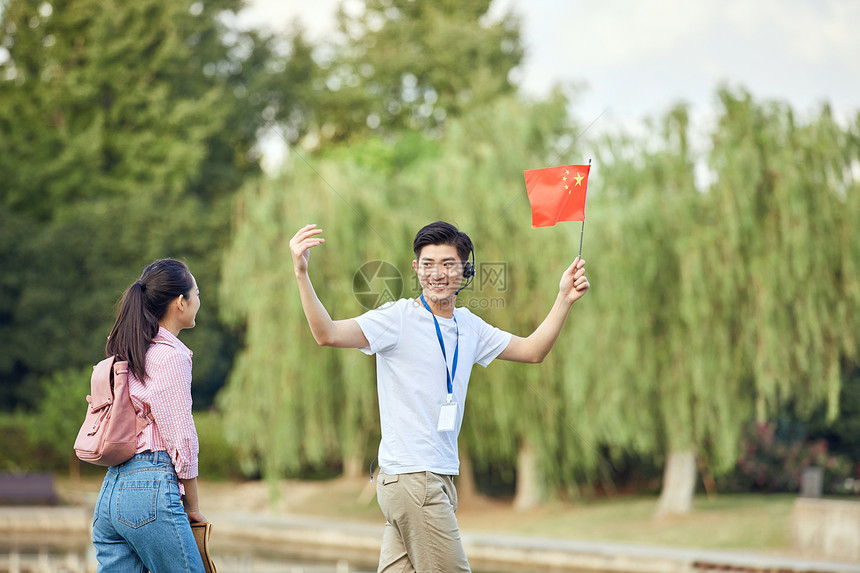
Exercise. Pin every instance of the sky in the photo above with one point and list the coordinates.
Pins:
(636, 58)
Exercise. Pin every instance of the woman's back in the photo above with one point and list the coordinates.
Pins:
(145, 506)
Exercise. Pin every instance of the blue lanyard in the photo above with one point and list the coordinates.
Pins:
(453, 372)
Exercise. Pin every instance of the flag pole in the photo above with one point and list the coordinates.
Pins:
(581, 232)
(582, 229)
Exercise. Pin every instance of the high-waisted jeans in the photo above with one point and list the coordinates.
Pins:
(139, 522)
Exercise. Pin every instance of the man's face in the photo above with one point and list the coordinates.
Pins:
(440, 271)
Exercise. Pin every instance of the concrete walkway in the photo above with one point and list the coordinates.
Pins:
(300, 537)
(358, 543)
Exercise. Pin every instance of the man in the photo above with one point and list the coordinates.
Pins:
(425, 349)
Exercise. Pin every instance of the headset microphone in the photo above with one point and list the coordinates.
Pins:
(468, 272)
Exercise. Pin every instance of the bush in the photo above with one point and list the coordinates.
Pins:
(774, 456)
(218, 459)
(18, 453)
(60, 410)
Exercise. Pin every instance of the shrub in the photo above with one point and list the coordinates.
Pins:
(774, 456)
(218, 459)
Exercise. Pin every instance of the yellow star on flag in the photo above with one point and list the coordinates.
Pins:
(578, 178)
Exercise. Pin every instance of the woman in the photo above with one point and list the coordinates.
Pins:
(145, 506)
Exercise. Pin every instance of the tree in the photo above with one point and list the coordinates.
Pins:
(399, 65)
(711, 325)
(60, 412)
(117, 148)
(313, 408)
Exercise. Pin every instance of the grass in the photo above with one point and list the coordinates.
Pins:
(742, 522)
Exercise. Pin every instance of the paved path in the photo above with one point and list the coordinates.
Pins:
(300, 537)
(305, 537)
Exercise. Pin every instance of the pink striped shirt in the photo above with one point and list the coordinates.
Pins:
(167, 394)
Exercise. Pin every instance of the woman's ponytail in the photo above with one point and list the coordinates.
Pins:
(142, 305)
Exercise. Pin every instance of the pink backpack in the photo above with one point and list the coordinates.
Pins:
(108, 436)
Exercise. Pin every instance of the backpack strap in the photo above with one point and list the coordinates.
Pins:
(141, 423)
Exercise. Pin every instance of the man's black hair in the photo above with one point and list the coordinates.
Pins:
(442, 233)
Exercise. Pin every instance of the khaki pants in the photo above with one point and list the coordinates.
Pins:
(421, 533)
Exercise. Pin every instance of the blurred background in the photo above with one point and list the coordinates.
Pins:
(712, 365)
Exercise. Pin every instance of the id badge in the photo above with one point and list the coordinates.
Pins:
(447, 417)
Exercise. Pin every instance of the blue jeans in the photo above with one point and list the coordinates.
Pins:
(139, 522)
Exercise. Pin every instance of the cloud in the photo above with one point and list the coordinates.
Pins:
(811, 31)
(639, 57)
(620, 31)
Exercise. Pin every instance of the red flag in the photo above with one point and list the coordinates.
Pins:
(557, 194)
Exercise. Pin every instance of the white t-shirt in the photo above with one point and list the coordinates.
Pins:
(412, 383)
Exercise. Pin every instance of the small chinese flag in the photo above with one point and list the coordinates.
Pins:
(557, 194)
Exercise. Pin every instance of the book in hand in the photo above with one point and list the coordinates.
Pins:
(201, 531)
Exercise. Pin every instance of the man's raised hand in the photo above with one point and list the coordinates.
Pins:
(300, 246)
(574, 283)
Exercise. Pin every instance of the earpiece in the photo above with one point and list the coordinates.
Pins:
(468, 272)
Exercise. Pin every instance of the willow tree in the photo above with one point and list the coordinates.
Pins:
(705, 309)
(313, 408)
(780, 321)
(644, 211)
(795, 230)
(314, 405)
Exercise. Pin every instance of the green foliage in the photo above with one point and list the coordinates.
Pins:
(309, 404)
(43, 440)
(126, 129)
(788, 203)
(387, 156)
(478, 184)
(719, 303)
(400, 65)
(18, 452)
(664, 353)
(60, 410)
(394, 66)
(218, 459)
